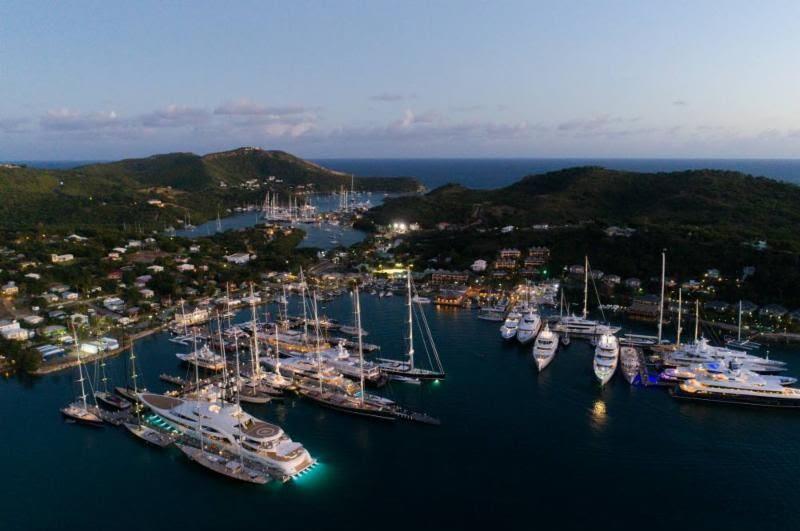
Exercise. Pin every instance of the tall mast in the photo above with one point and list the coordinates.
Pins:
(305, 314)
(586, 287)
(183, 312)
(739, 333)
(254, 354)
(360, 344)
(680, 316)
(222, 352)
(661, 304)
(80, 369)
(410, 324)
(696, 319)
(238, 403)
(316, 331)
(197, 386)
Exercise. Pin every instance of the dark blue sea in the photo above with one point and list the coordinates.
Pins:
(516, 450)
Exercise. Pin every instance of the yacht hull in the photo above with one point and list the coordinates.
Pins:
(727, 399)
(342, 408)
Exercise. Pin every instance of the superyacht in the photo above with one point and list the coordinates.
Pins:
(606, 356)
(544, 349)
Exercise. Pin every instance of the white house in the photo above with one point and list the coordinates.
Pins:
(61, 258)
(114, 304)
(155, 268)
(12, 331)
(238, 258)
(478, 266)
(185, 267)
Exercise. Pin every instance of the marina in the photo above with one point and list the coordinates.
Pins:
(563, 397)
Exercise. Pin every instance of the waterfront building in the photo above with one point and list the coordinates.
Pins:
(537, 256)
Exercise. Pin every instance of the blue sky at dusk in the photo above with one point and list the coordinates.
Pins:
(103, 80)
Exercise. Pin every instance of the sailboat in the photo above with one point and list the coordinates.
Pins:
(406, 369)
(739, 343)
(139, 429)
(344, 402)
(80, 411)
(582, 326)
(104, 396)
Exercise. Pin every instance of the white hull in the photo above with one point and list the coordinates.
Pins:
(544, 350)
(606, 358)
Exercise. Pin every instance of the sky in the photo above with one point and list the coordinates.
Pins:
(105, 80)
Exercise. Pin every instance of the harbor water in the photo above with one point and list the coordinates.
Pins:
(516, 449)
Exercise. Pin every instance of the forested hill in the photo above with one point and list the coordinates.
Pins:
(722, 203)
(117, 192)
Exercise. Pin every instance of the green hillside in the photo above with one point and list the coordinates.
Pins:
(709, 202)
(110, 194)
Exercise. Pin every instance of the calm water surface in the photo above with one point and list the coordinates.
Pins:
(515, 450)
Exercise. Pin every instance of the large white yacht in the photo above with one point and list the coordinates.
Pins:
(701, 351)
(508, 330)
(606, 356)
(228, 426)
(529, 326)
(738, 387)
(544, 349)
(578, 326)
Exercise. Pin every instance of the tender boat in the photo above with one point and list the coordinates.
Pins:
(545, 347)
(606, 356)
(150, 435)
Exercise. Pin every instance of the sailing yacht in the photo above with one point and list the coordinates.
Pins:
(544, 349)
(508, 330)
(103, 395)
(529, 326)
(406, 369)
(606, 356)
(148, 434)
(582, 326)
(80, 411)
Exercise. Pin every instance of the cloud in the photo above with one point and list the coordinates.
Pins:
(246, 107)
(468, 108)
(392, 96)
(14, 125)
(680, 103)
(601, 121)
(69, 120)
(175, 116)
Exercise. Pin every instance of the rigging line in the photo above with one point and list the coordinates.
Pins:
(597, 294)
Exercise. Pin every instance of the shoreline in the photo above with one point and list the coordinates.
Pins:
(68, 364)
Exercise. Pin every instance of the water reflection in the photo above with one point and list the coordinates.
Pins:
(599, 414)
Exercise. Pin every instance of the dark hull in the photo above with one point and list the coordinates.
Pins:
(419, 375)
(717, 398)
(370, 413)
(82, 421)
